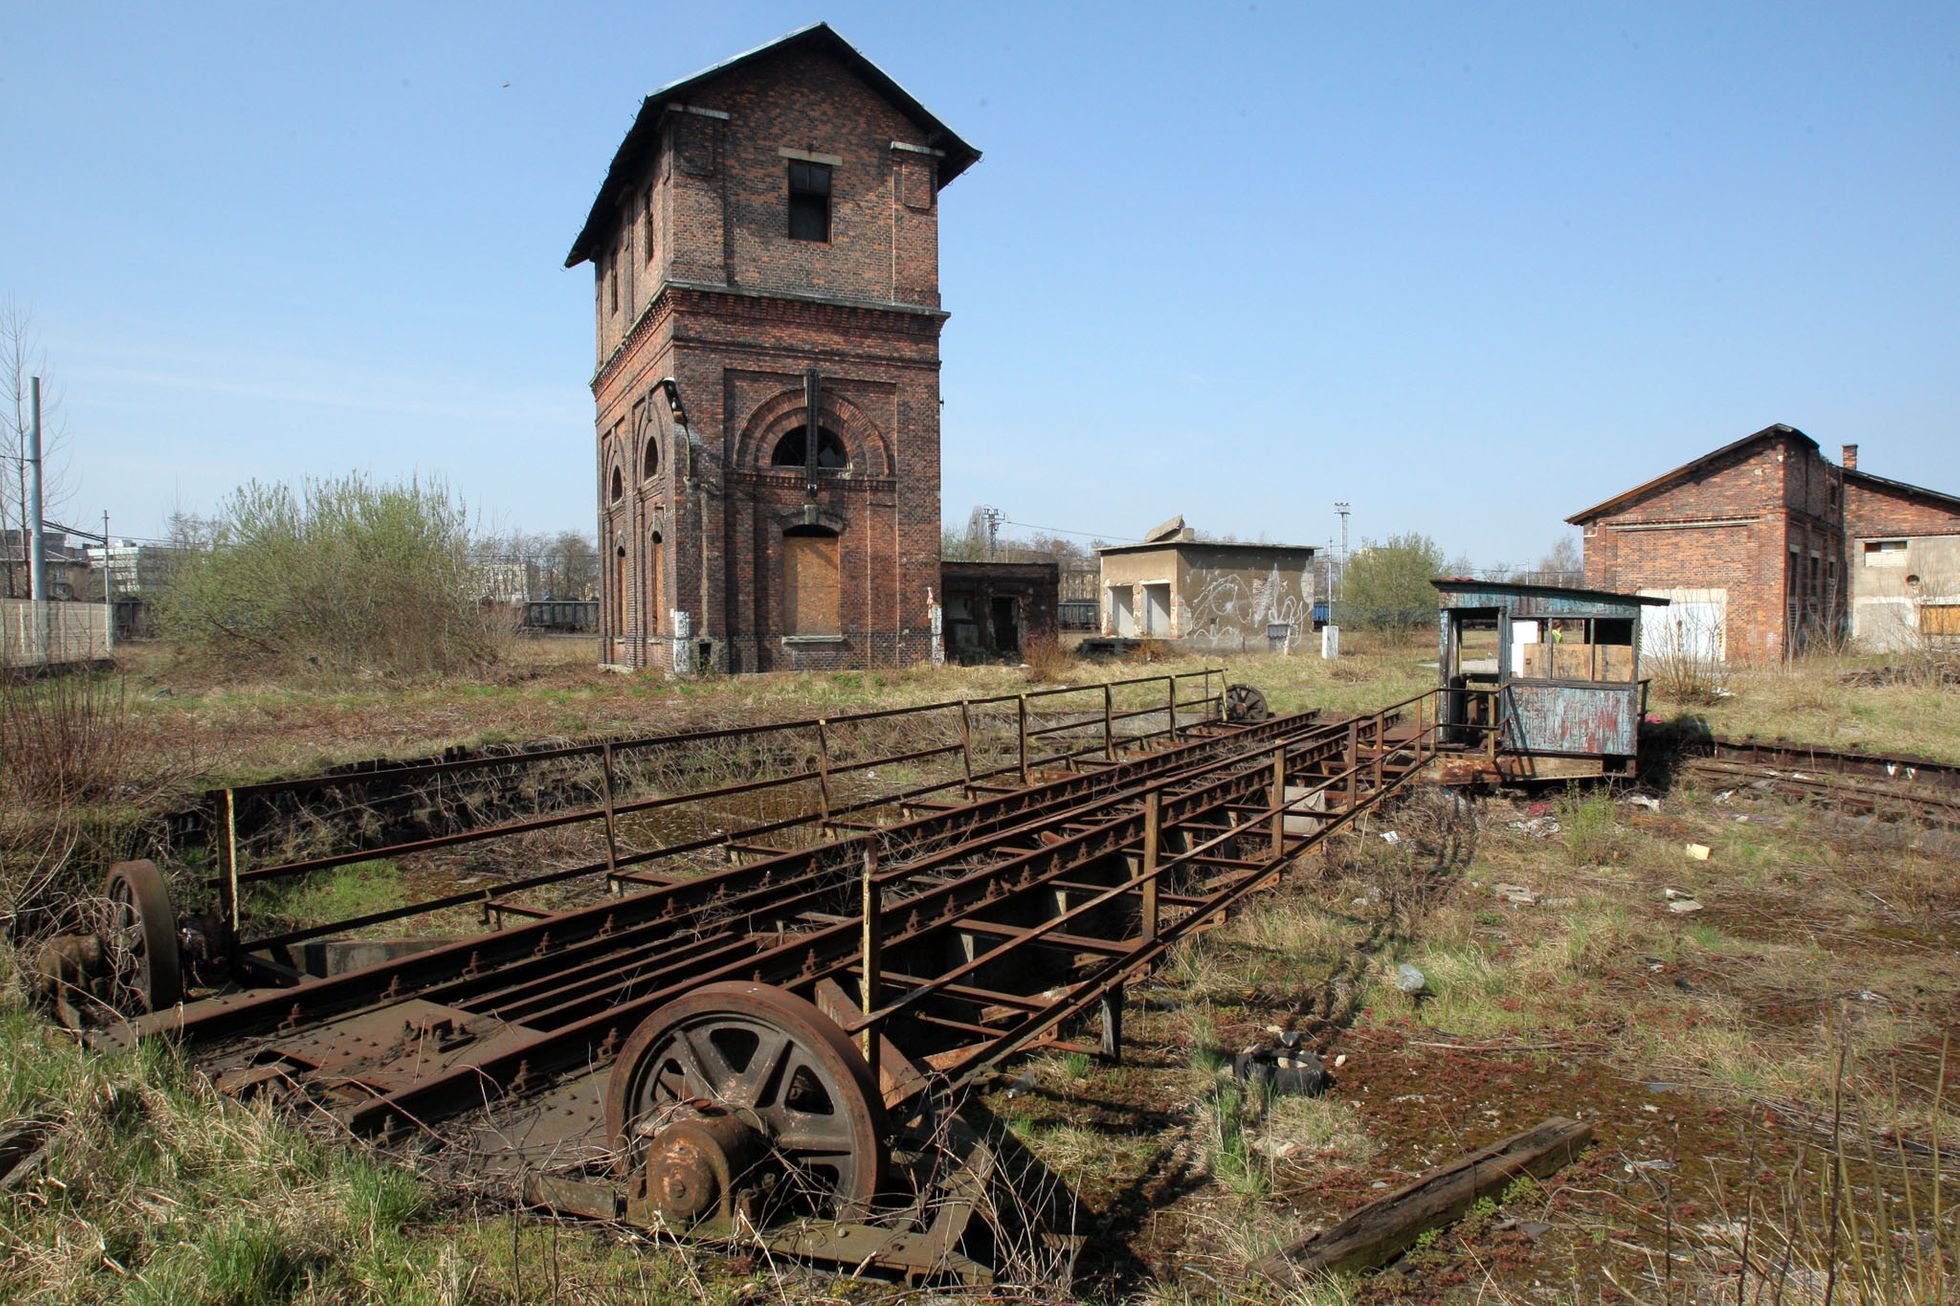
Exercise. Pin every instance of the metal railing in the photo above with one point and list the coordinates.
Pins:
(1117, 715)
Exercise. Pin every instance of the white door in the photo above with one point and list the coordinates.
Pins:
(1690, 626)
(1157, 610)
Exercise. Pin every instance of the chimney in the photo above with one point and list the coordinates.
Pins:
(1850, 457)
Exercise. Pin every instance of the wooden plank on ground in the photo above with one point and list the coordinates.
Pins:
(1384, 1228)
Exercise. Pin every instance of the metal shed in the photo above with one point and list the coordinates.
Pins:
(1545, 676)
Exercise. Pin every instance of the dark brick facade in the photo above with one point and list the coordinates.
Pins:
(699, 283)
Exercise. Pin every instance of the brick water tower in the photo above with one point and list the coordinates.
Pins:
(765, 255)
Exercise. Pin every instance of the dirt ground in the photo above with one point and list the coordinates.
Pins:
(1704, 1047)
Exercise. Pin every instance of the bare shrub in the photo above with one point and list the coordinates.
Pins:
(1685, 661)
(1046, 659)
(63, 738)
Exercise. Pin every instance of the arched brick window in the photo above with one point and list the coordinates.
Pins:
(618, 484)
(810, 594)
(793, 450)
(650, 459)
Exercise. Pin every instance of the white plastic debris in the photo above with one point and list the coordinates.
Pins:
(1642, 800)
(1409, 979)
(1697, 851)
(1684, 906)
(1390, 836)
(1671, 894)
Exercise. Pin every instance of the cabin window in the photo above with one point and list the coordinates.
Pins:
(793, 450)
(809, 200)
(1885, 553)
(810, 594)
(1573, 648)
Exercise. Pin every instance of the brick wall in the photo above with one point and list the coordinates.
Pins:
(1872, 509)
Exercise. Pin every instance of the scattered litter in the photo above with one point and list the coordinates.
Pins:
(1559, 903)
(1538, 827)
(1698, 851)
(162, 693)
(1683, 906)
(1024, 1084)
(1516, 893)
(1379, 1183)
(1741, 816)
(1534, 1229)
(1642, 800)
(1409, 979)
(1724, 798)
(1538, 809)
(1871, 995)
(1340, 1061)
(1650, 1108)
(1390, 836)
(1671, 894)
(1798, 775)
(1358, 902)
(1658, 1163)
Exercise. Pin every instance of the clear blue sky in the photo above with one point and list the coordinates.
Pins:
(1471, 267)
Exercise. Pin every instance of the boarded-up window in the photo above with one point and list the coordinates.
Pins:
(1940, 619)
(810, 605)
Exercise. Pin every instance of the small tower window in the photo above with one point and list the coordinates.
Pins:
(646, 215)
(618, 485)
(793, 450)
(650, 460)
(809, 200)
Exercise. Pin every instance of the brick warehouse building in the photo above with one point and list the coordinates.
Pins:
(766, 289)
(1758, 545)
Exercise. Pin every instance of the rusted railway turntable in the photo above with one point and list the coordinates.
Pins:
(780, 1048)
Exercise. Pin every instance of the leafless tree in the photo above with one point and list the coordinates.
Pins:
(21, 360)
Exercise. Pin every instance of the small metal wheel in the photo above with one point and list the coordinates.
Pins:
(744, 1100)
(1244, 703)
(139, 938)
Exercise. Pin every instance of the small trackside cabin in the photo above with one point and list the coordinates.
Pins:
(1547, 675)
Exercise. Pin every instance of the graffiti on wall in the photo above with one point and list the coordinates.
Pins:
(1232, 609)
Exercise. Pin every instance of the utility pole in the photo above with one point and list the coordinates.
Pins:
(993, 517)
(37, 566)
(1340, 559)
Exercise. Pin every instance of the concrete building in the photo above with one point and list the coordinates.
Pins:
(1902, 550)
(1758, 546)
(1210, 596)
(766, 297)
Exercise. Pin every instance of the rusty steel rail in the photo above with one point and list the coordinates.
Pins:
(591, 1056)
(1865, 783)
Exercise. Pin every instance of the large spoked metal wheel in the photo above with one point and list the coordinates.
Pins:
(744, 1103)
(1245, 703)
(139, 940)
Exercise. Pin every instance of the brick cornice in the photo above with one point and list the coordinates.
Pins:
(731, 302)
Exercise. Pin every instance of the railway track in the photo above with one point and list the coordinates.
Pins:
(1869, 784)
(779, 1047)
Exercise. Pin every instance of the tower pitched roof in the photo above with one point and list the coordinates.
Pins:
(958, 155)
